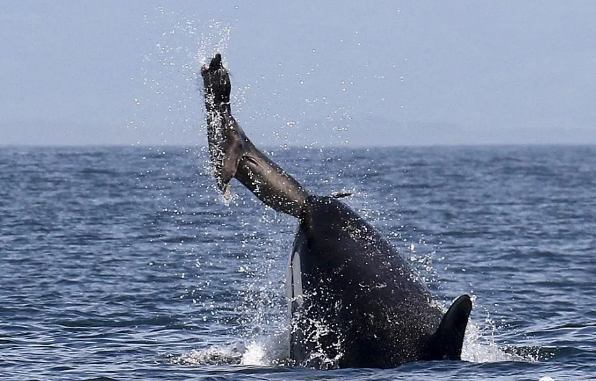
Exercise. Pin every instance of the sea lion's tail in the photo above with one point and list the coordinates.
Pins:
(234, 156)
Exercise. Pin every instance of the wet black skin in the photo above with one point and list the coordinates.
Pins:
(354, 300)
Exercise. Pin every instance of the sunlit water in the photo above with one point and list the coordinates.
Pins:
(124, 263)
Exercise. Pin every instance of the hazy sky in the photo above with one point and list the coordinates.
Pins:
(305, 72)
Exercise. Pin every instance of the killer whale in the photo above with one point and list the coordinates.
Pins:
(354, 301)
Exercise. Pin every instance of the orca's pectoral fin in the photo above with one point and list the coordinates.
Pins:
(447, 342)
(233, 155)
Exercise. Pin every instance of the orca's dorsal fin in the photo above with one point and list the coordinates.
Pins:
(447, 342)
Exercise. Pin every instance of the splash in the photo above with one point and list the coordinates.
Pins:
(480, 348)
(267, 351)
(169, 110)
(262, 351)
(214, 355)
(256, 354)
(480, 345)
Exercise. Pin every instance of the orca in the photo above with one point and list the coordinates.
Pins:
(354, 300)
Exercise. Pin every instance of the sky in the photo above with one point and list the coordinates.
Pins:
(307, 73)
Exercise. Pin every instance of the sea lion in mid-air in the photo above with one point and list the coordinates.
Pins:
(354, 300)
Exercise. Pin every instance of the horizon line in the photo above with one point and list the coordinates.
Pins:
(301, 146)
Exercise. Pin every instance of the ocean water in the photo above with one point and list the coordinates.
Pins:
(125, 264)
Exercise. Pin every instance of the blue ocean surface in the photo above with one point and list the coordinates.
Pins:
(124, 263)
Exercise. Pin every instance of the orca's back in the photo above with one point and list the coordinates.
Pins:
(355, 301)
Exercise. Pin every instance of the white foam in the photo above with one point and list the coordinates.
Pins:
(255, 355)
(481, 348)
(267, 350)
(213, 355)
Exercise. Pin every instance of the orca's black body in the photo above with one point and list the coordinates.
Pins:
(354, 300)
